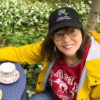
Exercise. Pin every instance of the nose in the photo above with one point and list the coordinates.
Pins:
(66, 38)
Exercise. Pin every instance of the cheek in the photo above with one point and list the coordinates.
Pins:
(57, 44)
(79, 41)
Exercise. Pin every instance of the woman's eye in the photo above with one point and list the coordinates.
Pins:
(60, 34)
(71, 31)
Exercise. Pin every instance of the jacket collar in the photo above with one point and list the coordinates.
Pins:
(94, 51)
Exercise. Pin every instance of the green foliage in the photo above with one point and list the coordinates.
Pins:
(21, 23)
(32, 72)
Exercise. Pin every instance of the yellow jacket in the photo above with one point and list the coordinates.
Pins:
(89, 85)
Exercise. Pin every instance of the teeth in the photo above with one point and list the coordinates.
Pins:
(68, 46)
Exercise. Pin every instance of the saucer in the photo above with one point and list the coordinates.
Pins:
(9, 78)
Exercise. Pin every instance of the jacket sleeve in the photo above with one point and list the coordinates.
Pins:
(95, 94)
(27, 54)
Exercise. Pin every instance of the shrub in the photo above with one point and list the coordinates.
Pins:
(24, 23)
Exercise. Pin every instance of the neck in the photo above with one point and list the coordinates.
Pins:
(72, 60)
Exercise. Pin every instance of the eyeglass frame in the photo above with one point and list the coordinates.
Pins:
(68, 33)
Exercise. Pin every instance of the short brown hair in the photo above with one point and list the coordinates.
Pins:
(48, 47)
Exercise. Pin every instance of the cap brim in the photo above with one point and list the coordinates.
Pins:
(64, 24)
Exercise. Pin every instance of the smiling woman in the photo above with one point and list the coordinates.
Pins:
(71, 57)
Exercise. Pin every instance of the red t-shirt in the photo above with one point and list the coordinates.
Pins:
(64, 81)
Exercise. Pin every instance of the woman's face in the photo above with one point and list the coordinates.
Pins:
(68, 41)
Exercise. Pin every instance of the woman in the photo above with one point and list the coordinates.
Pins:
(71, 58)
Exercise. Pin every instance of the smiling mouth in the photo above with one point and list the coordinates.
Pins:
(68, 47)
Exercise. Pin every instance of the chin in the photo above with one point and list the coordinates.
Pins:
(70, 54)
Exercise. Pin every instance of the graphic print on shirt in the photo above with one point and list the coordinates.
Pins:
(63, 85)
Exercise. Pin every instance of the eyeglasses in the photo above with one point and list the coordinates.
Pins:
(70, 32)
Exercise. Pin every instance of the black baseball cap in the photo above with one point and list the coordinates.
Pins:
(64, 17)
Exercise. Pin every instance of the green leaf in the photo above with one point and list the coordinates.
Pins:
(37, 70)
(29, 88)
(29, 75)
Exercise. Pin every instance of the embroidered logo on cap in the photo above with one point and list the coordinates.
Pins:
(62, 11)
(65, 15)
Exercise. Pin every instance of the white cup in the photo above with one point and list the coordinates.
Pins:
(6, 68)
